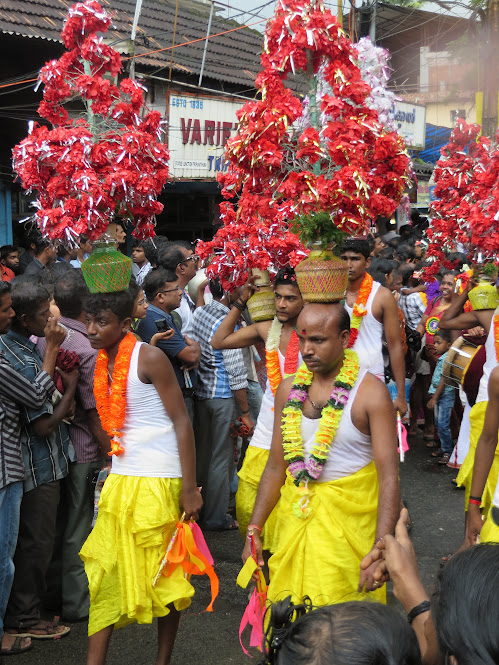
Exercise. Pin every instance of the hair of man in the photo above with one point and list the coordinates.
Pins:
(27, 298)
(156, 280)
(69, 292)
(357, 246)
(120, 303)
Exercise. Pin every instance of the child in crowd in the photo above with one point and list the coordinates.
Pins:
(442, 397)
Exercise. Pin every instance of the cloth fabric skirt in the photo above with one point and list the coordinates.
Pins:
(247, 489)
(319, 556)
(136, 519)
(490, 531)
(465, 476)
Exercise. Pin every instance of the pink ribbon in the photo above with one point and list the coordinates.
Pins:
(201, 542)
(253, 616)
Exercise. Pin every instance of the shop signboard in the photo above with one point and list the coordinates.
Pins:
(198, 129)
(410, 120)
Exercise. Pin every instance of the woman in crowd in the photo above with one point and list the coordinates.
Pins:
(354, 633)
(459, 625)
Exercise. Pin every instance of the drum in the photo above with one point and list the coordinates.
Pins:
(458, 360)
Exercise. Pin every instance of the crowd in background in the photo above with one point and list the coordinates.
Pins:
(179, 311)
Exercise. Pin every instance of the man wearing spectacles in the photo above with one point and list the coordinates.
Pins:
(179, 257)
(164, 293)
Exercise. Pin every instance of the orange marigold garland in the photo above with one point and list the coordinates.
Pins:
(272, 355)
(111, 400)
(359, 309)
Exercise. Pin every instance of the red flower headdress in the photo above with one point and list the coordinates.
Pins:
(107, 162)
(291, 158)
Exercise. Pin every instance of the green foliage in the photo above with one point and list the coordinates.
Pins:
(318, 227)
(489, 269)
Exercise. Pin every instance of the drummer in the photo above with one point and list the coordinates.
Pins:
(442, 397)
(454, 318)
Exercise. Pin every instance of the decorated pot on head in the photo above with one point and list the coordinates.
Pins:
(322, 276)
(261, 305)
(484, 296)
(106, 269)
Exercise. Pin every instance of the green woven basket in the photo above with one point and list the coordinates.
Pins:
(106, 270)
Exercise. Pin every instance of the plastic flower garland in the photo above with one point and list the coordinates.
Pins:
(359, 309)
(466, 209)
(294, 452)
(272, 355)
(288, 160)
(110, 161)
(111, 401)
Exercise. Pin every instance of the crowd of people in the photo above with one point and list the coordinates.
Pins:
(159, 391)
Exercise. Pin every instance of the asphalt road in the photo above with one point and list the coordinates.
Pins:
(436, 510)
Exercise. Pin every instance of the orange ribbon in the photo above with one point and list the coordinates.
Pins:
(186, 553)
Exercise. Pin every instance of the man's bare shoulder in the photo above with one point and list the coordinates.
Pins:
(262, 328)
(373, 393)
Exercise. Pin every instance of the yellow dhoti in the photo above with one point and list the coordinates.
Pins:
(247, 489)
(319, 556)
(137, 517)
(490, 531)
(465, 476)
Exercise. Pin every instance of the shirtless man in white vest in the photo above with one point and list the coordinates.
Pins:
(277, 335)
(382, 315)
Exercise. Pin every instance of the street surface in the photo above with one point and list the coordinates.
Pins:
(436, 510)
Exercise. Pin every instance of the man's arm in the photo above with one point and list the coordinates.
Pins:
(453, 318)
(46, 424)
(154, 367)
(190, 354)
(391, 326)
(484, 456)
(375, 398)
(273, 477)
(99, 434)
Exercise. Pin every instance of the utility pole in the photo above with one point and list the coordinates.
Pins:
(490, 58)
(372, 25)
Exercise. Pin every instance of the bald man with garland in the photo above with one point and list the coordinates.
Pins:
(334, 465)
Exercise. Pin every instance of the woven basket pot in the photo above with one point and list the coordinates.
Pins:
(261, 305)
(322, 277)
(484, 296)
(106, 270)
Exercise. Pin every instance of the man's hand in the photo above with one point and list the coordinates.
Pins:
(194, 364)
(246, 419)
(431, 403)
(474, 524)
(248, 289)
(160, 336)
(69, 379)
(368, 567)
(258, 549)
(400, 405)
(54, 333)
(477, 331)
(397, 561)
(191, 503)
(70, 412)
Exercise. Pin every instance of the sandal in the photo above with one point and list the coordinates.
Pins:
(48, 630)
(444, 459)
(16, 647)
(433, 444)
(437, 453)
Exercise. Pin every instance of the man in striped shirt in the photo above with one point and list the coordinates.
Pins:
(221, 385)
(16, 391)
(69, 591)
(47, 453)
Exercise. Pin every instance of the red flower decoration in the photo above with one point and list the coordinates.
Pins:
(111, 163)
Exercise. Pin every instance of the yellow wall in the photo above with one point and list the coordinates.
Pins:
(438, 113)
